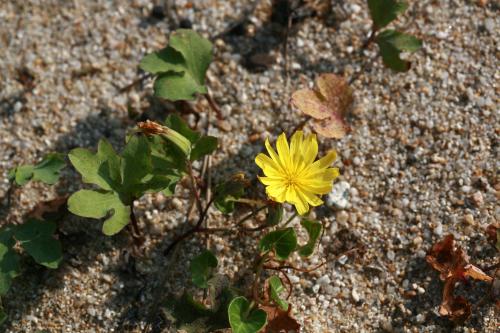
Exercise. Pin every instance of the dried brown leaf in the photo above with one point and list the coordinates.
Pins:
(328, 104)
(279, 321)
(453, 265)
(452, 262)
(456, 308)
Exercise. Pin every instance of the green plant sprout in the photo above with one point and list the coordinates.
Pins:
(180, 68)
(391, 42)
(46, 171)
(35, 238)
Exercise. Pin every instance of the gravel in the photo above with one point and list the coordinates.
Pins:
(420, 162)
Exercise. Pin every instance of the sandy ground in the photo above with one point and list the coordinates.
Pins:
(421, 161)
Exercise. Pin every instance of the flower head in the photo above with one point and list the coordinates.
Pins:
(292, 175)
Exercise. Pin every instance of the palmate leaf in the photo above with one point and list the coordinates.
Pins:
(36, 238)
(282, 241)
(226, 193)
(327, 104)
(274, 214)
(93, 204)
(313, 229)
(181, 66)
(202, 267)
(47, 171)
(384, 12)
(204, 146)
(243, 319)
(121, 179)
(392, 43)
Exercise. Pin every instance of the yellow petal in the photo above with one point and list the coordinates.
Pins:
(310, 149)
(271, 181)
(326, 160)
(270, 167)
(311, 199)
(301, 205)
(284, 152)
(276, 192)
(273, 155)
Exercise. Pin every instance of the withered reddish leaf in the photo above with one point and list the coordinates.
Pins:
(453, 265)
(279, 321)
(336, 91)
(456, 308)
(326, 127)
(451, 261)
(311, 103)
(475, 273)
(327, 104)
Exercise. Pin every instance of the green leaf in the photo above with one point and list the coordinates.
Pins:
(204, 146)
(144, 167)
(392, 43)
(202, 268)
(176, 123)
(498, 240)
(185, 310)
(136, 161)
(24, 173)
(274, 214)
(47, 171)
(276, 288)
(165, 60)
(226, 193)
(9, 259)
(196, 50)
(49, 168)
(282, 241)
(93, 204)
(92, 166)
(177, 86)
(36, 237)
(243, 319)
(384, 12)
(313, 229)
(181, 67)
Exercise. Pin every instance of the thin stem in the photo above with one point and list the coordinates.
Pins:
(134, 83)
(250, 215)
(290, 219)
(213, 106)
(194, 188)
(190, 232)
(135, 224)
(365, 45)
(261, 260)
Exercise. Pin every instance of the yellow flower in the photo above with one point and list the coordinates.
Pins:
(291, 175)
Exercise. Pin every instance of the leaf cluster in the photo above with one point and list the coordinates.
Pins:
(180, 68)
(120, 179)
(46, 171)
(392, 42)
(34, 237)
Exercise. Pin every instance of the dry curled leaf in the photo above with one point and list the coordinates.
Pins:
(452, 262)
(456, 308)
(328, 104)
(279, 321)
(453, 266)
